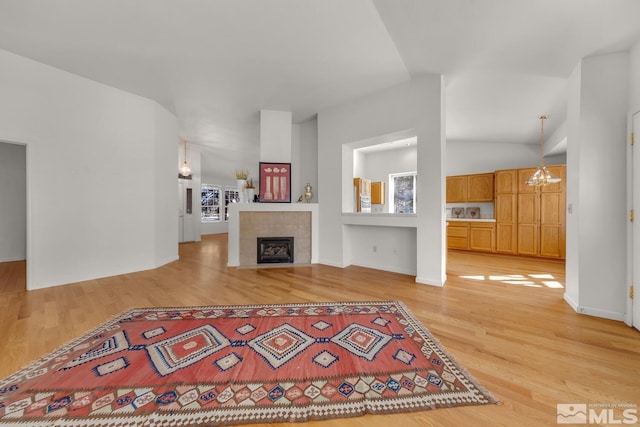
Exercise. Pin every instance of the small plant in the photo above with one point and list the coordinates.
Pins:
(242, 174)
(250, 183)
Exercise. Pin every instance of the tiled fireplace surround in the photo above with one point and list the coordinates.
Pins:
(248, 221)
(275, 224)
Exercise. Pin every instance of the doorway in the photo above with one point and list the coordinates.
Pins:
(13, 217)
(635, 249)
(187, 217)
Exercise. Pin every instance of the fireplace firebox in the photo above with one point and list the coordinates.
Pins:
(275, 250)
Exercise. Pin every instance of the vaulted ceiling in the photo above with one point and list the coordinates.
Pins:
(217, 63)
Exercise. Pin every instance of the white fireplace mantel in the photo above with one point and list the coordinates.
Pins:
(234, 225)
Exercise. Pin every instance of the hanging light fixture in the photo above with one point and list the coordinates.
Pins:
(185, 170)
(542, 176)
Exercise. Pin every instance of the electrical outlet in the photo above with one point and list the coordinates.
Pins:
(375, 248)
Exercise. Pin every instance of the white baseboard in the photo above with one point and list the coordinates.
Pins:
(331, 263)
(431, 282)
(596, 312)
(13, 259)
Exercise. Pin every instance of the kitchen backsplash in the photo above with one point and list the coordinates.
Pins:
(461, 210)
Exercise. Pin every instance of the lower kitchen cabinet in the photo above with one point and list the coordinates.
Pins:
(482, 236)
(458, 235)
(471, 235)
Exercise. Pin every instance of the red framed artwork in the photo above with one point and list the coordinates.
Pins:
(275, 182)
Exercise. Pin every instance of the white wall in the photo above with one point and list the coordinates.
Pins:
(308, 161)
(384, 248)
(166, 220)
(480, 157)
(634, 78)
(275, 136)
(13, 202)
(416, 105)
(596, 186)
(98, 161)
(634, 107)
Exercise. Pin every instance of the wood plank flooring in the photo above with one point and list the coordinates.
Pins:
(13, 276)
(503, 318)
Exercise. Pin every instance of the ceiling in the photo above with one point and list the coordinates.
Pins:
(217, 63)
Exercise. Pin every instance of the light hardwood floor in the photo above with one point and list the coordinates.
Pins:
(12, 276)
(503, 318)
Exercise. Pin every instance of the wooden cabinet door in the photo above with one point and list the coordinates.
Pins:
(523, 175)
(506, 181)
(377, 193)
(551, 229)
(480, 187)
(456, 189)
(552, 216)
(506, 208)
(528, 224)
(482, 236)
(560, 171)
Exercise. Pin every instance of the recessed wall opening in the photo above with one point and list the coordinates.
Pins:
(13, 217)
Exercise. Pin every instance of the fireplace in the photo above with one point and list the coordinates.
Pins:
(275, 250)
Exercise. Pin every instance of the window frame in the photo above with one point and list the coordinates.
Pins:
(392, 191)
(214, 206)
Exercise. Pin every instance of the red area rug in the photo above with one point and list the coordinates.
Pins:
(194, 366)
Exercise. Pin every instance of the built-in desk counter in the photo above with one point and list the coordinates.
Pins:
(380, 219)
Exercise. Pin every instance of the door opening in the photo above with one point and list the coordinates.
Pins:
(13, 217)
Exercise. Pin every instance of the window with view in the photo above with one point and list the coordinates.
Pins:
(210, 203)
(402, 192)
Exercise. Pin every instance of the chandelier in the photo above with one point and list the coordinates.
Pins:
(185, 170)
(542, 176)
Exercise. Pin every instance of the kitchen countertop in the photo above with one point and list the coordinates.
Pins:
(472, 219)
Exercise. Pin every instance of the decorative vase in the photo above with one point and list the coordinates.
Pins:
(308, 192)
(241, 184)
(251, 192)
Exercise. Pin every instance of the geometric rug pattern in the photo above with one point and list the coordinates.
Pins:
(229, 365)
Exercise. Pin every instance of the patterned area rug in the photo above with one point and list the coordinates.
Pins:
(195, 366)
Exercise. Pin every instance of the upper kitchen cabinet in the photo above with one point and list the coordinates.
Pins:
(480, 188)
(470, 188)
(457, 189)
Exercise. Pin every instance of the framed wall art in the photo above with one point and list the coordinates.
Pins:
(275, 182)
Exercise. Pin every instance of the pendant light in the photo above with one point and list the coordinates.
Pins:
(185, 170)
(542, 176)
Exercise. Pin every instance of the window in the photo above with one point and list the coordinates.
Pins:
(230, 196)
(210, 203)
(402, 192)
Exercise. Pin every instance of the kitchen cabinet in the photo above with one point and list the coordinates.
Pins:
(377, 193)
(482, 236)
(456, 189)
(362, 195)
(541, 216)
(470, 188)
(506, 208)
(458, 235)
(471, 235)
(480, 187)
